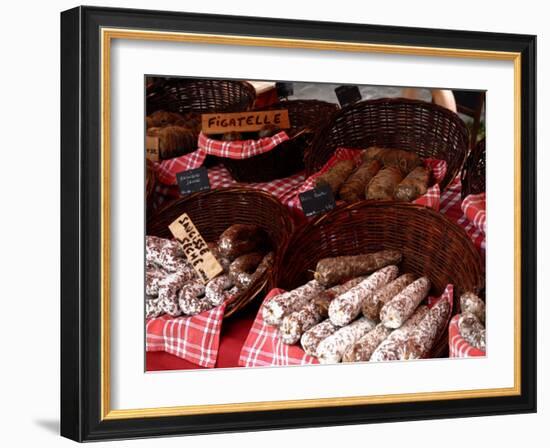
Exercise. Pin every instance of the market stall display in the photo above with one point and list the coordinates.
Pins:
(375, 279)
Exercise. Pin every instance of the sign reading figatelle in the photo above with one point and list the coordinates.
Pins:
(244, 121)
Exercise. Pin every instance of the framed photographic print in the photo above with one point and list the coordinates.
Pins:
(276, 224)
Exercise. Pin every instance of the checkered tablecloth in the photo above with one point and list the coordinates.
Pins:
(451, 207)
(194, 338)
(220, 177)
(458, 347)
(473, 207)
(240, 149)
(263, 347)
(430, 199)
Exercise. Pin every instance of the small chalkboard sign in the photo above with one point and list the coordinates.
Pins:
(191, 181)
(284, 89)
(317, 201)
(347, 95)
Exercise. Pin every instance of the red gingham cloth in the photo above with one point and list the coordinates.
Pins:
(263, 347)
(458, 347)
(220, 177)
(430, 199)
(473, 207)
(194, 338)
(451, 207)
(239, 149)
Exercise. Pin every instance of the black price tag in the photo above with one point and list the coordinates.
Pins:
(284, 89)
(347, 95)
(191, 181)
(317, 201)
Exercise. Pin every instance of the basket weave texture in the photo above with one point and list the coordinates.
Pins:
(427, 129)
(306, 117)
(214, 211)
(183, 95)
(473, 172)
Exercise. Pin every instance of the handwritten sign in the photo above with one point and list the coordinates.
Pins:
(317, 201)
(244, 121)
(152, 148)
(191, 181)
(195, 248)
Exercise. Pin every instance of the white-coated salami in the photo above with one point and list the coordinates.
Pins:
(216, 290)
(472, 330)
(363, 349)
(283, 304)
(153, 276)
(389, 349)
(192, 298)
(423, 337)
(311, 339)
(471, 303)
(296, 323)
(394, 313)
(152, 308)
(332, 348)
(168, 254)
(346, 307)
(374, 303)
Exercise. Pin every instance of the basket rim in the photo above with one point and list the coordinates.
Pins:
(310, 169)
(375, 204)
(188, 82)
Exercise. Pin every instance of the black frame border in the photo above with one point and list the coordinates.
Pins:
(81, 223)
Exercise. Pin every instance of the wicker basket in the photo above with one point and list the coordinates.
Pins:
(306, 117)
(431, 244)
(200, 95)
(473, 172)
(429, 130)
(214, 211)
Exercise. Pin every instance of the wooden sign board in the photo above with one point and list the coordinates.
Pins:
(152, 148)
(195, 248)
(244, 121)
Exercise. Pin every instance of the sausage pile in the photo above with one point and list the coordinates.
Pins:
(471, 323)
(172, 286)
(378, 315)
(382, 174)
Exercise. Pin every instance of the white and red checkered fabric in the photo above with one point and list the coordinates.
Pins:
(194, 338)
(263, 347)
(239, 149)
(458, 347)
(430, 199)
(451, 207)
(473, 207)
(220, 177)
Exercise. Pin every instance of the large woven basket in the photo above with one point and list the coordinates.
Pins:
(184, 95)
(306, 117)
(473, 172)
(427, 129)
(214, 211)
(431, 244)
